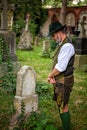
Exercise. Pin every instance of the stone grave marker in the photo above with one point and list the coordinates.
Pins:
(36, 43)
(25, 90)
(46, 46)
(81, 43)
(8, 36)
(26, 37)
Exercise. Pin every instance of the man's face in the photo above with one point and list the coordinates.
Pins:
(56, 37)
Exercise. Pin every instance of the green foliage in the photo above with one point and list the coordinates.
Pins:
(21, 118)
(19, 26)
(58, 3)
(37, 15)
(42, 89)
(39, 121)
(74, 39)
(4, 50)
(47, 116)
(53, 45)
(36, 121)
(6, 109)
(45, 54)
(32, 27)
(1, 49)
(8, 81)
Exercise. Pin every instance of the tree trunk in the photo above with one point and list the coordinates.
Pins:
(63, 12)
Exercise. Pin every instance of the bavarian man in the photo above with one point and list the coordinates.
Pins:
(61, 75)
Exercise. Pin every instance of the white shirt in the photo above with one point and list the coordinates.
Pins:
(66, 52)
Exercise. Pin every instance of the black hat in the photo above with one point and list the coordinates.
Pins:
(55, 27)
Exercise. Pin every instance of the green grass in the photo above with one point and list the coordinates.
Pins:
(78, 100)
(33, 58)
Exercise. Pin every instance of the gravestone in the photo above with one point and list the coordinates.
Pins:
(46, 47)
(44, 30)
(81, 43)
(36, 43)
(9, 37)
(26, 37)
(25, 90)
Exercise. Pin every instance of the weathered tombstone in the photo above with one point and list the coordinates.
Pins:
(36, 41)
(26, 38)
(9, 37)
(81, 43)
(46, 46)
(44, 30)
(25, 91)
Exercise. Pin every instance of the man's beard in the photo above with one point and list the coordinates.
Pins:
(58, 40)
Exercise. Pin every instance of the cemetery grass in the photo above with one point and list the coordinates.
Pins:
(48, 111)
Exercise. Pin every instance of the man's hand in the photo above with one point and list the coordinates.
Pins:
(51, 80)
(51, 75)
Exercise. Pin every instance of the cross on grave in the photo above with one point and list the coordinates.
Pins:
(4, 6)
(8, 36)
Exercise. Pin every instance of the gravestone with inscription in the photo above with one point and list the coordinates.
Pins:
(25, 90)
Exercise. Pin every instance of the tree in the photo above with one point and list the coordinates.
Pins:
(34, 8)
(63, 4)
(63, 12)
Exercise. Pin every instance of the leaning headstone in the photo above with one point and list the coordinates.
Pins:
(25, 41)
(25, 91)
(26, 38)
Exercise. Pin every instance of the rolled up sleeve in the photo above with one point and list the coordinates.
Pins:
(66, 52)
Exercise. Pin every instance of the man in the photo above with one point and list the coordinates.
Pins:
(61, 75)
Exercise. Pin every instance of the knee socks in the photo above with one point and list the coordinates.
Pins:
(65, 118)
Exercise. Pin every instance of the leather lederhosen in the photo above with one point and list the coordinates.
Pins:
(64, 81)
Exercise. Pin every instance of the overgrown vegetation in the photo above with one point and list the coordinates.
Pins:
(47, 117)
(7, 86)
